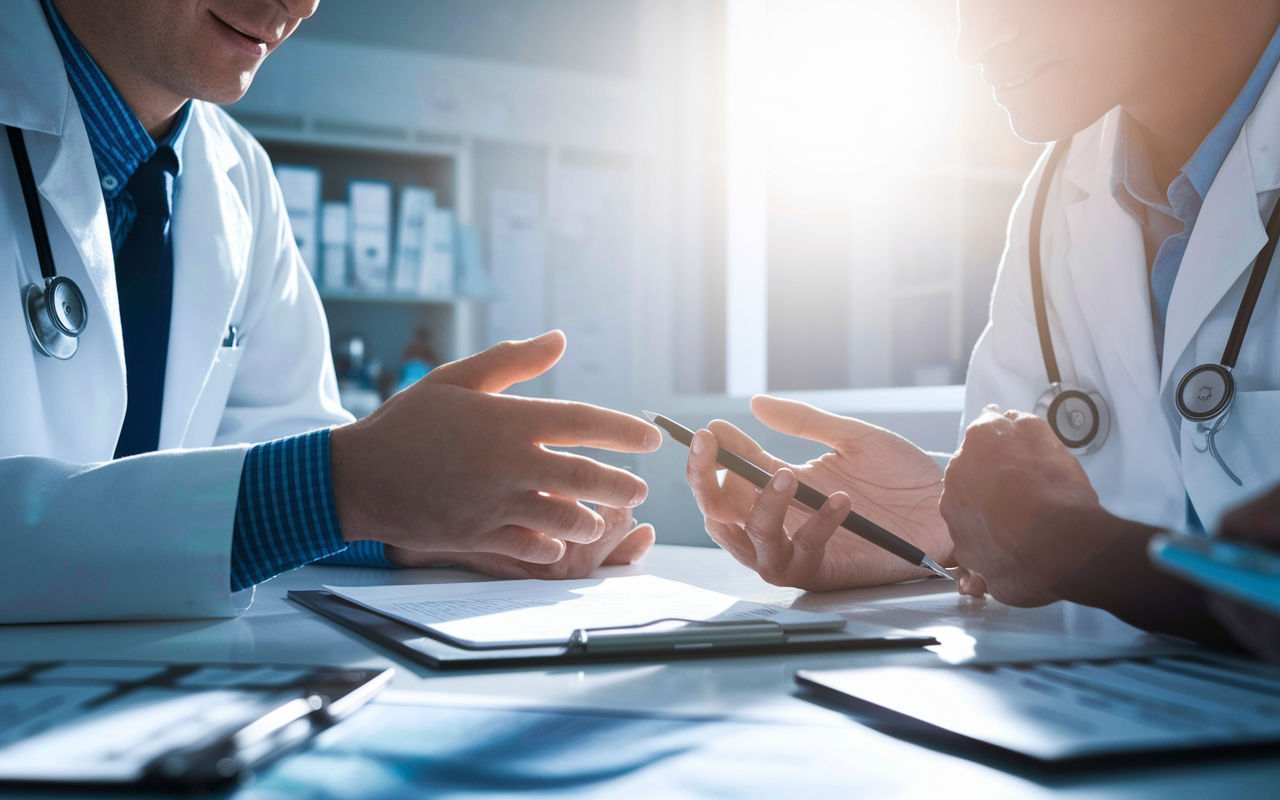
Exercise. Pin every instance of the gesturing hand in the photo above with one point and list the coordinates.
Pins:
(873, 471)
(621, 544)
(1015, 501)
(448, 466)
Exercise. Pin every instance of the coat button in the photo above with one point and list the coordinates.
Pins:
(109, 182)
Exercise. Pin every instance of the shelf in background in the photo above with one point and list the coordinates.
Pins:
(392, 297)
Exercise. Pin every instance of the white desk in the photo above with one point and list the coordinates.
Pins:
(757, 690)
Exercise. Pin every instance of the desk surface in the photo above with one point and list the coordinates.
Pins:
(753, 690)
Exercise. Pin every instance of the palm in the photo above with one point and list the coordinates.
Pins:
(888, 479)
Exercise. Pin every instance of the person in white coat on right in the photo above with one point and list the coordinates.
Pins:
(1152, 222)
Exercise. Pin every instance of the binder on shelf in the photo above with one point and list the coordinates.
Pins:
(437, 269)
(472, 279)
(300, 187)
(333, 246)
(370, 220)
(416, 205)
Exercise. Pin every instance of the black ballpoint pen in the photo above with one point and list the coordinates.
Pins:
(810, 496)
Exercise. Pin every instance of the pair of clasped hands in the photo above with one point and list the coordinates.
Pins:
(452, 471)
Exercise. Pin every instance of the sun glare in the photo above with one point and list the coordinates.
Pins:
(854, 90)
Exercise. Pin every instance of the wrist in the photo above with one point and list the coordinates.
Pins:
(349, 495)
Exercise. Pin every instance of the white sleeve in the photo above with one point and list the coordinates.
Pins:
(147, 537)
(1007, 368)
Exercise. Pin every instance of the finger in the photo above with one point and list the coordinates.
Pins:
(632, 547)
(969, 583)
(523, 544)
(564, 423)
(734, 540)
(554, 515)
(581, 478)
(765, 524)
(731, 438)
(801, 419)
(505, 363)
(809, 544)
(700, 471)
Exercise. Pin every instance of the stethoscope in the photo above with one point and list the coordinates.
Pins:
(1081, 419)
(56, 314)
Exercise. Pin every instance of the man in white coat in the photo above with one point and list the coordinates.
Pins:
(1151, 224)
(184, 452)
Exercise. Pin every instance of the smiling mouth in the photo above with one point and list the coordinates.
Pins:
(249, 36)
(1013, 84)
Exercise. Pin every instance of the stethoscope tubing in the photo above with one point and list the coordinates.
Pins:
(1239, 328)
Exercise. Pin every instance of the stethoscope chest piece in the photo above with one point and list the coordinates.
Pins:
(1205, 393)
(56, 316)
(1079, 419)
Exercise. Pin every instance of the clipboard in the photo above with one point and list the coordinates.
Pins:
(593, 646)
(169, 725)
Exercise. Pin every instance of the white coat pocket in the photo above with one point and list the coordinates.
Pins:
(1248, 444)
(209, 409)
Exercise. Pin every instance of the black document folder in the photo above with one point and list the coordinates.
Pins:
(437, 653)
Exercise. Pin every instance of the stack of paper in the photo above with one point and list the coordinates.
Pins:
(498, 614)
(300, 187)
(370, 234)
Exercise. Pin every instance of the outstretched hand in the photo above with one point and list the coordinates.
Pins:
(450, 470)
(874, 472)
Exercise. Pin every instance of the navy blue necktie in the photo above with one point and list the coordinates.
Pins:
(144, 282)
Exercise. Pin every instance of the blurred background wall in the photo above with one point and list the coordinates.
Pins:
(712, 198)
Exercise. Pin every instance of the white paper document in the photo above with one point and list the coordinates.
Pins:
(545, 613)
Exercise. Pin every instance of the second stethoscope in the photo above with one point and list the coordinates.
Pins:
(56, 313)
(1081, 419)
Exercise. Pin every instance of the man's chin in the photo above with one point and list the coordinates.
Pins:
(223, 87)
(1040, 126)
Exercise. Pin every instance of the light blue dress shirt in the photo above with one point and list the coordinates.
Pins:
(1133, 185)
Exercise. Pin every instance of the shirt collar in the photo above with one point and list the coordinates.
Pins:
(117, 138)
(1132, 182)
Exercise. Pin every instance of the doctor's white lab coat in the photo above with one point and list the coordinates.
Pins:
(1095, 279)
(83, 537)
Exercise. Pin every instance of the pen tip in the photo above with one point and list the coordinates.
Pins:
(649, 415)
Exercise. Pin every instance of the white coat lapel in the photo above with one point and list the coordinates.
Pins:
(1107, 264)
(1229, 231)
(70, 188)
(212, 237)
(36, 96)
(1226, 239)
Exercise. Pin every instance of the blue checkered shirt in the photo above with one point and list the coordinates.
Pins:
(285, 513)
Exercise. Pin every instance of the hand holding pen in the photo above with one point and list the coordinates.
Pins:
(884, 477)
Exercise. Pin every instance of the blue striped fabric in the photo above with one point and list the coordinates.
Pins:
(285, 516)
(117, 138)
(363, 553)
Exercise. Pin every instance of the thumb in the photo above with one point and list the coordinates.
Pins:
(801, 419)
(500, 366)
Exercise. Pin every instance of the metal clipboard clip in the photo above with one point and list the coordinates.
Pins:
(695, 634)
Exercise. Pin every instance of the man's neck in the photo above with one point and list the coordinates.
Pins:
(1178, 114)
(91, 23)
